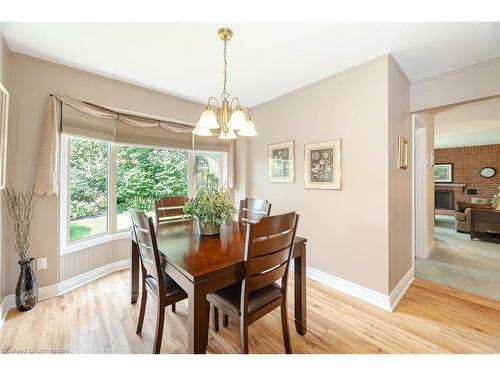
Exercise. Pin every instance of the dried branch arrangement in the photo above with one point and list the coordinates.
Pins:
(20, 210)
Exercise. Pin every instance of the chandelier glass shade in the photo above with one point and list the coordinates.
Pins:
(222, 116)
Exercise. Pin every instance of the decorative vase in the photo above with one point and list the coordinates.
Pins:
(27, 287)
(208, 229)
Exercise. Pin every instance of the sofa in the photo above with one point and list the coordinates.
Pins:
(463, 216)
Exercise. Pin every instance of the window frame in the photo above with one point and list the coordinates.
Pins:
(112, 233)
(66, 245)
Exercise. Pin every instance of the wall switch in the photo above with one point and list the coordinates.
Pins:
(41, 263)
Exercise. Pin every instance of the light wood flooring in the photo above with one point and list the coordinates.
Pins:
(98, 318)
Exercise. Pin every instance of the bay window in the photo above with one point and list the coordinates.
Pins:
(101, 181)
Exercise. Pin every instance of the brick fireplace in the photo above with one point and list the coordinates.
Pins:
(467, 183)
(445, 197)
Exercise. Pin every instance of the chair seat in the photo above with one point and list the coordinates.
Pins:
(230, 297)
(172, 289)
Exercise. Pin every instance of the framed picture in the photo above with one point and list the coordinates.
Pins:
(281, 162)
(402, 153)
(322, 165)
(443, 172)
(4, 111)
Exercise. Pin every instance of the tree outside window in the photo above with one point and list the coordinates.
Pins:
(145, 174)
(88, 193)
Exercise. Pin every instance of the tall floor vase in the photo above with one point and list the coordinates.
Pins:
(27, 287)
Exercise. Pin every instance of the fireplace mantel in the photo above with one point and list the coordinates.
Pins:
(449, 185)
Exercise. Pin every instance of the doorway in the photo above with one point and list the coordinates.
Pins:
(453, 145)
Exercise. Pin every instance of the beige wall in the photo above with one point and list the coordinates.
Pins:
(474, 82)
(4, 67)
(400, 180)
(32, 82)
(347, 230)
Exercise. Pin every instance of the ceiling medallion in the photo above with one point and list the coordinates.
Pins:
(223, 116)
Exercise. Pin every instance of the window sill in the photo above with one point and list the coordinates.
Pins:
(85, 244)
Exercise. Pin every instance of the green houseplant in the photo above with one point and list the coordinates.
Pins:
(210, 208)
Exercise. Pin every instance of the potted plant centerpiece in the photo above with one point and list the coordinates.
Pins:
(210, 208)
(20, 211)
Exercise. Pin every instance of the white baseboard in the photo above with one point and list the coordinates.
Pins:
(3, 311)
(355, 290)
(400, 289)
(384, 301)
(55, 290)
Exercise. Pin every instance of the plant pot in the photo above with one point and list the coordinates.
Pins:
(208, 229)
(27, 287)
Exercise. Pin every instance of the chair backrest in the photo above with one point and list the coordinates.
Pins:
(253, 209)
(268, 250)
(169, 208)
(145, 236)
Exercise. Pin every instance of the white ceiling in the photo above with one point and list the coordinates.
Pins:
(469, 124)
(265, 60)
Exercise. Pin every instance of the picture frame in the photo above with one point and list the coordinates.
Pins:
(443, 172)
(281, 162)
(402, 153)
(323, 165)
(4, 117)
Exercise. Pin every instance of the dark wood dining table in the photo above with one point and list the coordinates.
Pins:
(203, 264)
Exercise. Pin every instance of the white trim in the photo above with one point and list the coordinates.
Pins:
(365, 294)
(4, 129)
(5, 306)
(400, 289)
(111, 178)
(55, 290)
(384, 301)
(420, 191)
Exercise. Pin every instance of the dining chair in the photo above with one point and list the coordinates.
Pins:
(169, 208)
(155, 281)
(268, 250)
(253, 209)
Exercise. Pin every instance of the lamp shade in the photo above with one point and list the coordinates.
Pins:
(204, 132)
(249, 131)
(208, 120)
(229, 135)
(238, 120)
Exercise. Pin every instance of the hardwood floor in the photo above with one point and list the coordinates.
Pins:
(98, 318)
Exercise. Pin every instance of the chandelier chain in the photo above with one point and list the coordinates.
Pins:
(225, 94)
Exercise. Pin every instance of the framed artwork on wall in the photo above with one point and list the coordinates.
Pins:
(402, 153)
(4, 111)
(281, 158)
(443, 172)
(322, 165)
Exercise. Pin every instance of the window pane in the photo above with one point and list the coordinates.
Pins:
(145, 174)
(208, 168)
(88, 167)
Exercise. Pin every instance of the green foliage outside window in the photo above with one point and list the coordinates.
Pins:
(146, 174)
(88, 163)
(207, 168)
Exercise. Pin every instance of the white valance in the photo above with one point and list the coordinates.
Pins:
(75, 117)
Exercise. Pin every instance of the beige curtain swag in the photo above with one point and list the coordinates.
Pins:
(75, 117)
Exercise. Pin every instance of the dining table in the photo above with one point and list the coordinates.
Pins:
(202, 264)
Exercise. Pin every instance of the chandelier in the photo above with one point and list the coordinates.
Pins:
(223, 116)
